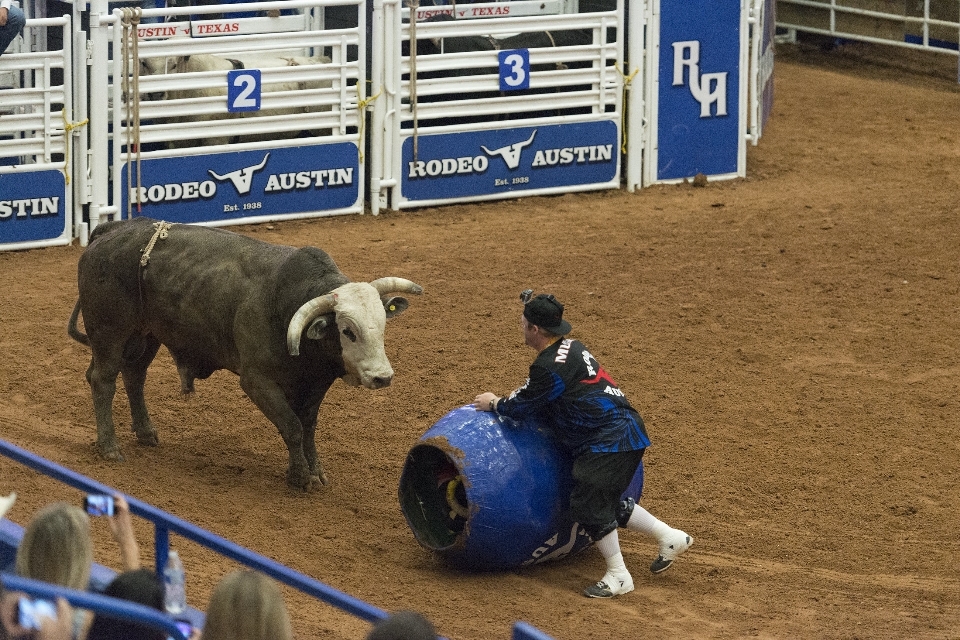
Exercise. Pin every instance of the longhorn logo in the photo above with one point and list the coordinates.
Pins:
(510, 153)
(242, 179)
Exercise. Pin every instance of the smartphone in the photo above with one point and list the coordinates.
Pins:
(185, 628)
(30, 611)
(98, 505)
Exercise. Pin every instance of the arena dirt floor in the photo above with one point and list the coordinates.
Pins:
(790, 338)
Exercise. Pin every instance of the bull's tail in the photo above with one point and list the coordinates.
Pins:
(72, 329)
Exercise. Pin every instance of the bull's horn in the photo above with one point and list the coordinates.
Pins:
(306, 314)
(395, 285)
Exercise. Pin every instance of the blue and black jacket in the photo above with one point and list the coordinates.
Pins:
(571, 394)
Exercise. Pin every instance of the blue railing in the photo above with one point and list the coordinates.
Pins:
(525, 631)
(164, 523)
(100, 604)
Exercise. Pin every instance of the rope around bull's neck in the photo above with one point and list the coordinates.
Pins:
(162, 230)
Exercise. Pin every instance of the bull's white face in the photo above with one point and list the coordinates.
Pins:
(361, 319)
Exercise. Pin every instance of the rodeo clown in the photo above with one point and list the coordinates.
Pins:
(592, 418)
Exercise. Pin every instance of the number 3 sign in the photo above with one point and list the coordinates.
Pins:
(243, 90)
(514, 70)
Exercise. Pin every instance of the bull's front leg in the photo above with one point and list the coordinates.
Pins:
(309, 421)
(270, 399)
(308, 418)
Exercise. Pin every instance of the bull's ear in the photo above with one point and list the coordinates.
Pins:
(395, 306)
(318, 326)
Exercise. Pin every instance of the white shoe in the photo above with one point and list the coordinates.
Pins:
(610, 586)
(670, 548)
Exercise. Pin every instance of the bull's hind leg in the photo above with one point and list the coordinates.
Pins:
(138, 353)
(102, 376)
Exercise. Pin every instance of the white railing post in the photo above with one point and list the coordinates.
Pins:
(635, 100)
(651, 88)
(69, 105)
(392, 89)
(98, 122)
(376, 119)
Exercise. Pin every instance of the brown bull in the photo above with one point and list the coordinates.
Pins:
(221, 300)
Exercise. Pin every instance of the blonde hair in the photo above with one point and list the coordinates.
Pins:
(247, 605)
(56, 547)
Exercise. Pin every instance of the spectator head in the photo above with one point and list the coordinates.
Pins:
(247, 605)
(403, 625)
(56, 547)
(141, 586)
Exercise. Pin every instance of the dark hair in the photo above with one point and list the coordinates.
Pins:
(403, 625)
(141, 586)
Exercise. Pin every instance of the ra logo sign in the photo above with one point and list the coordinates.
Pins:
(707, 88)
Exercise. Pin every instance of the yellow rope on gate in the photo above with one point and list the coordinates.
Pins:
(161, 233)
(68, 128)
(623, 111)
(362, 104)
(131, 97)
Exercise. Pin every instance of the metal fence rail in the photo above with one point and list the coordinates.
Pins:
(933, 25)
(165, 523)
(113, 607)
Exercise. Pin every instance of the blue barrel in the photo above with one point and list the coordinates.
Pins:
(487, 493)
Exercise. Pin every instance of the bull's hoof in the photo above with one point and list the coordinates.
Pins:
(308, 484)
(318, 473)
(148, 439)
(111, 453)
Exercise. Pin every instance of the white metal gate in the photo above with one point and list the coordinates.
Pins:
(231, 119)
(36, 126)
(501, 100)
(260, 111)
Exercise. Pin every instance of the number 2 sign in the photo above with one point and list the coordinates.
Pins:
(243, 90)
(514, 70)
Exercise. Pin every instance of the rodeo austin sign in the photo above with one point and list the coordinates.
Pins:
(479, 163)
(230, 187)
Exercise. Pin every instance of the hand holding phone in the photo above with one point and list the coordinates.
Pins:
(30, 611)
(98, 505)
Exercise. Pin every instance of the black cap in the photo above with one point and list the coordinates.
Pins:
(546, 311)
